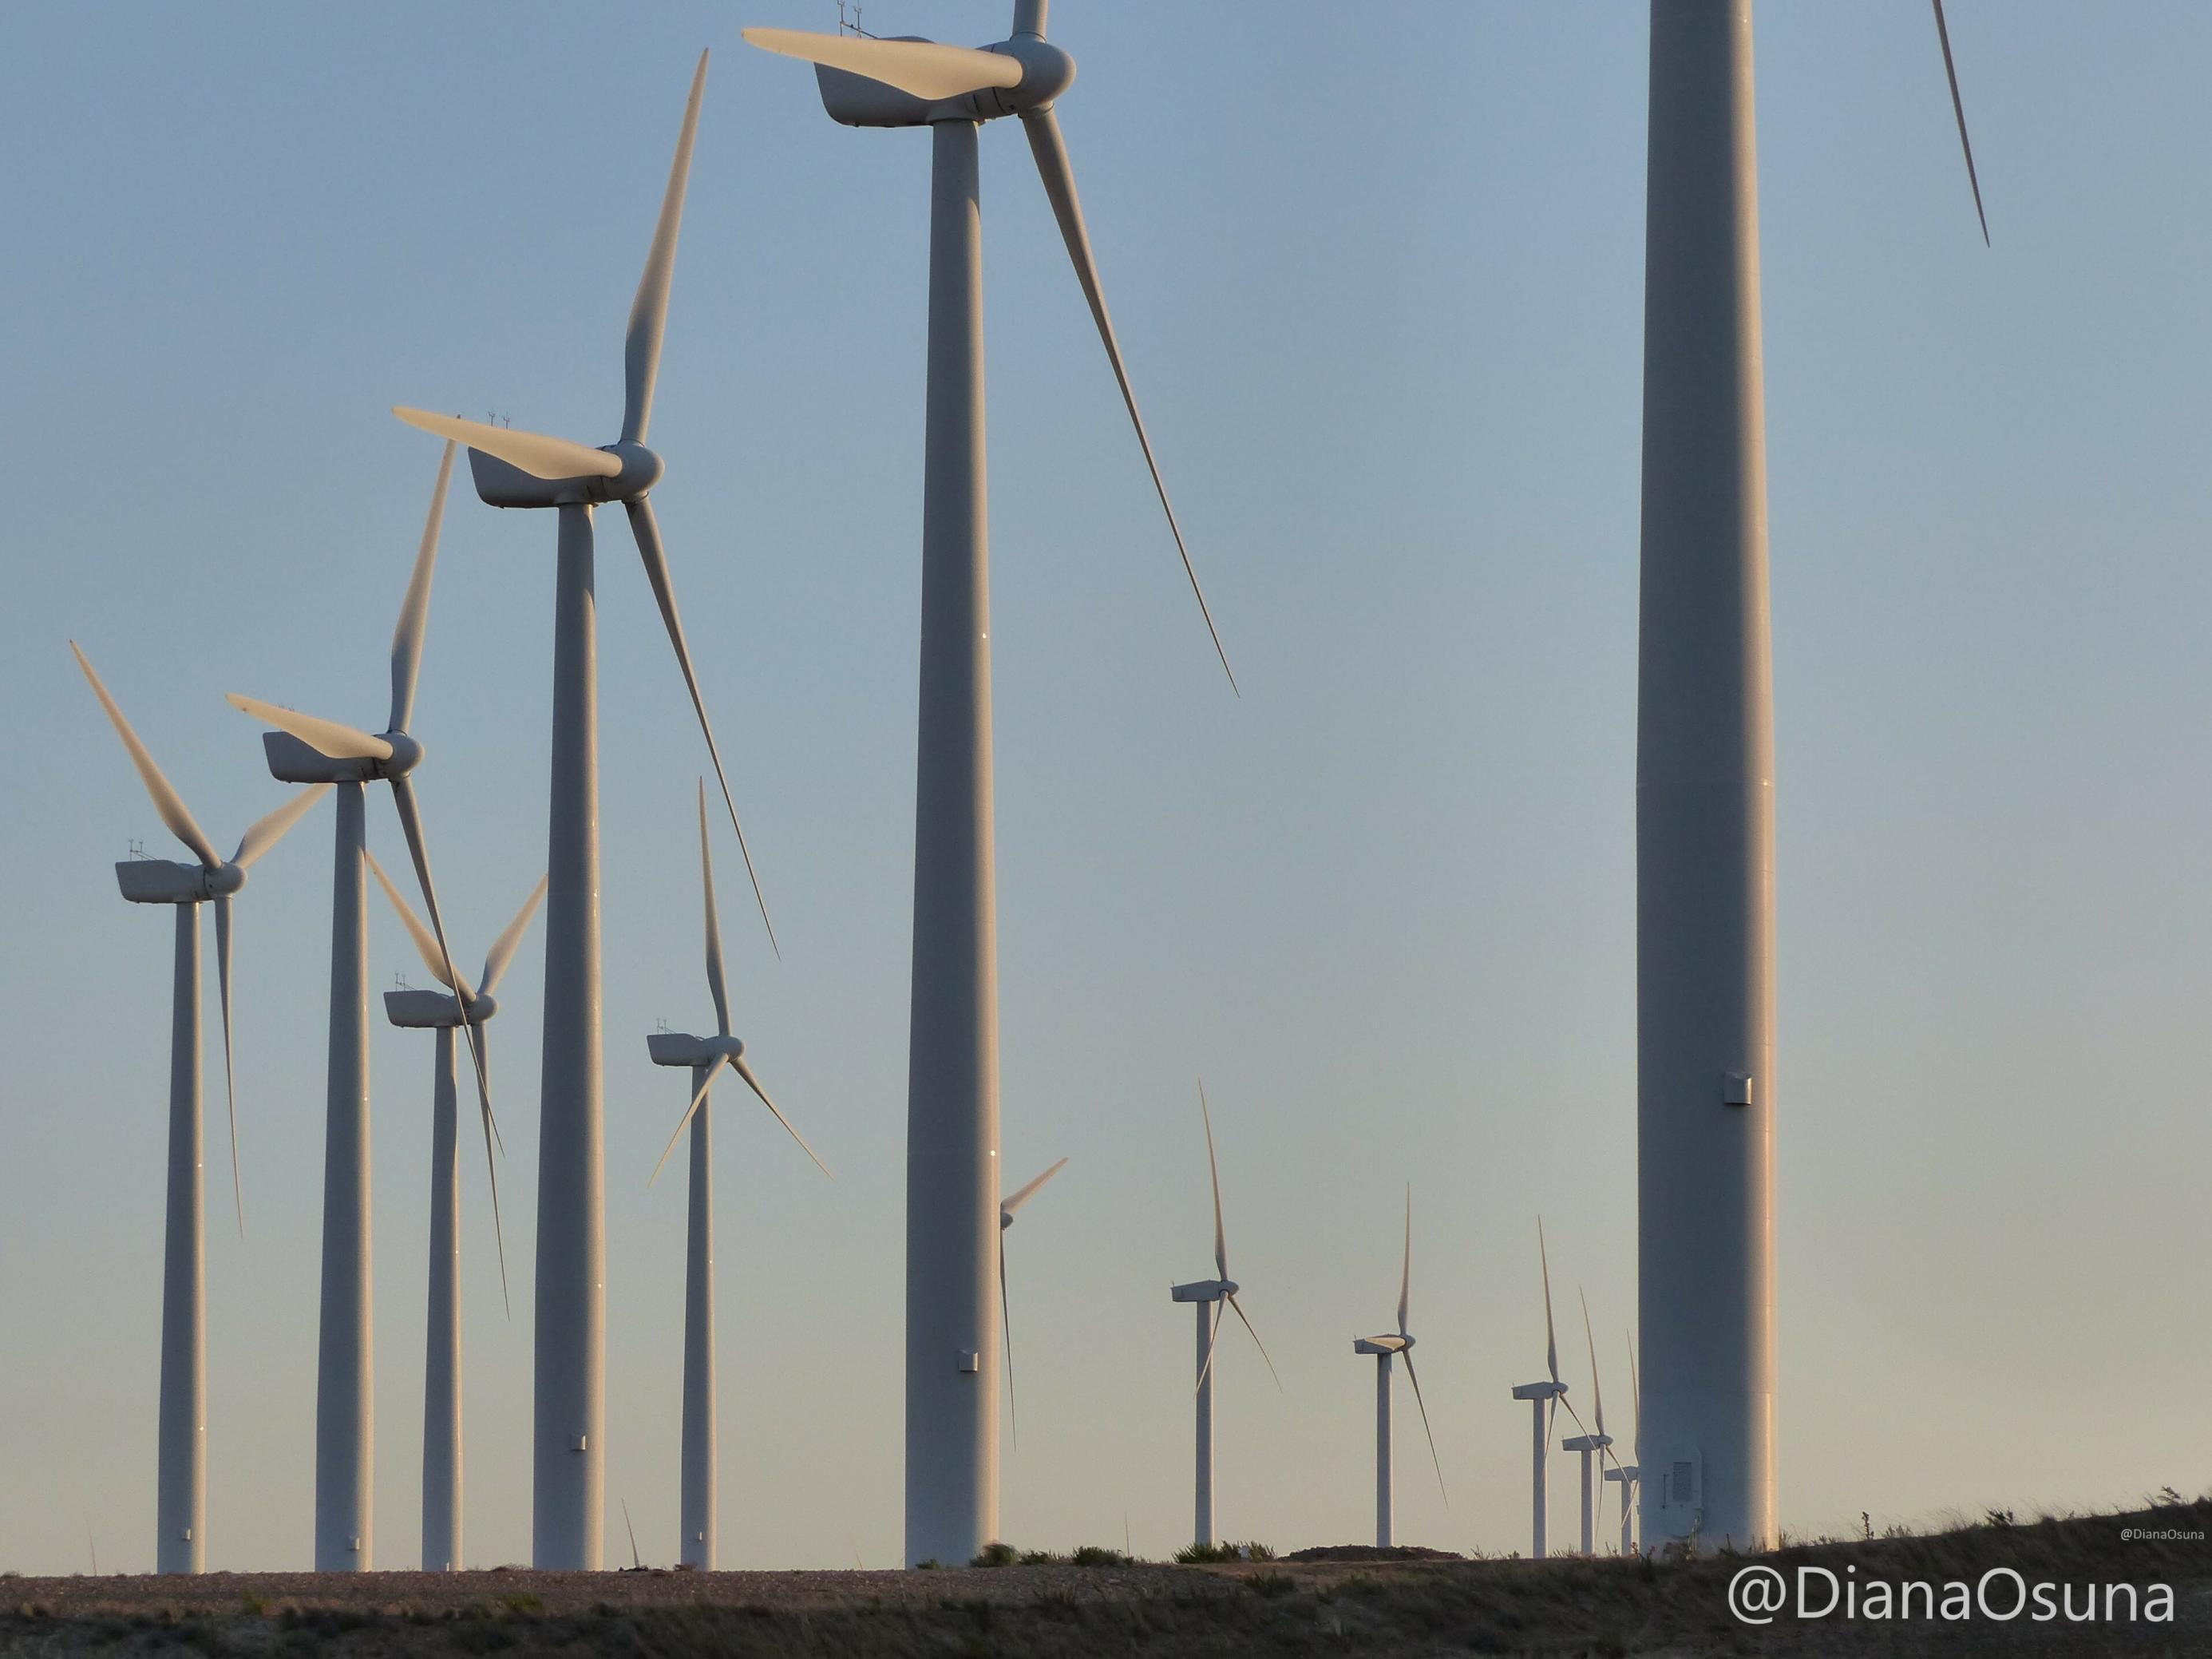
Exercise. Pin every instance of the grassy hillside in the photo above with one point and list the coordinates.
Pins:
(1334, 1607)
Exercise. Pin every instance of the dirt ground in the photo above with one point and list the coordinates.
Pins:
(1339, 1606)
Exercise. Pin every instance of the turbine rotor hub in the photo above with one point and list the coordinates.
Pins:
(1047, 72)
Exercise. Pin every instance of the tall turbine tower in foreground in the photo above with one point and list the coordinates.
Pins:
(526, 469)
(445, 1011)
(952, 1099)
(704, 1058)
(1399, 1343)
(305, 749)
(180, 1455)
(1704, 797)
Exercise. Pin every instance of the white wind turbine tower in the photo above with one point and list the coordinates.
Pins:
(1382, 1347)
(305, 749)
(180, 1456)
(1203, 1293)
(1629, 1473)
(952, 1103)
(704, 1057)
(526, 469)
(1588, 1445)
(445, 1011)
(1705, 794)
(1006, 1208)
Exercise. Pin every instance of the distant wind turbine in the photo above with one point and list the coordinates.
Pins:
(1588, 1444)
(1006, 1208)
(1629, 1475)
(305, 749)
(1543, 1398)
(704, 1058)
(444, 1012)
(1203, 1293)
(526, 469)
(952, 1103)
(1383, 1348)
(180, 1457)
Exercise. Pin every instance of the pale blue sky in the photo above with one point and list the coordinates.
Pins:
(1377, 271)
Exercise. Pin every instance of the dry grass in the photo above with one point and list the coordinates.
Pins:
(1386, 1608)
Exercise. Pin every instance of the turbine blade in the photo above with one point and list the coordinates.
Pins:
(229, 1070)
(1966, 144)
(1008, 1206)
(1551, 1335)
(1006, 1328)
(1050, 150)
(1213, 1342)
(647, 529)
(533, 452)
(491, 1168)
(922, 68)
(503, 948)
(698, 1095)
(266, 831)
(1220, 1238)
(1597, 1387)
(1406, 1280)
(1636, 1399)
(738, 1065)
(648, 312)
(1414, 1377)
(1238, 1308)
(411, 821)
(715, 982)
(1561, 1400)
(415, 609)
(426, 946)
(167, 801)
(635, 1563)
(329, 738)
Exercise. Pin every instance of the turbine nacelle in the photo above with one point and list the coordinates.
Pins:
(164, 881)
(681, 1049)
(293, 760)
(1586, 1442)
(1204, 1290)
(436, 1010)
(856, 101)
(1392, 1343)
(1539, 1390)
(500, 483)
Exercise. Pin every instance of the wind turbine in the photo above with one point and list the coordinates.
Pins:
(526, 469)
(1704, 794)
(1543, 1398)
(1203, 1293)
(1006, 1208)
(305, 749)
(444, 1012)
(953, 1101)
(1382, 1347)
(1628, 1474)
(705, 1057)
(1588, 1445)
(180, 1458)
